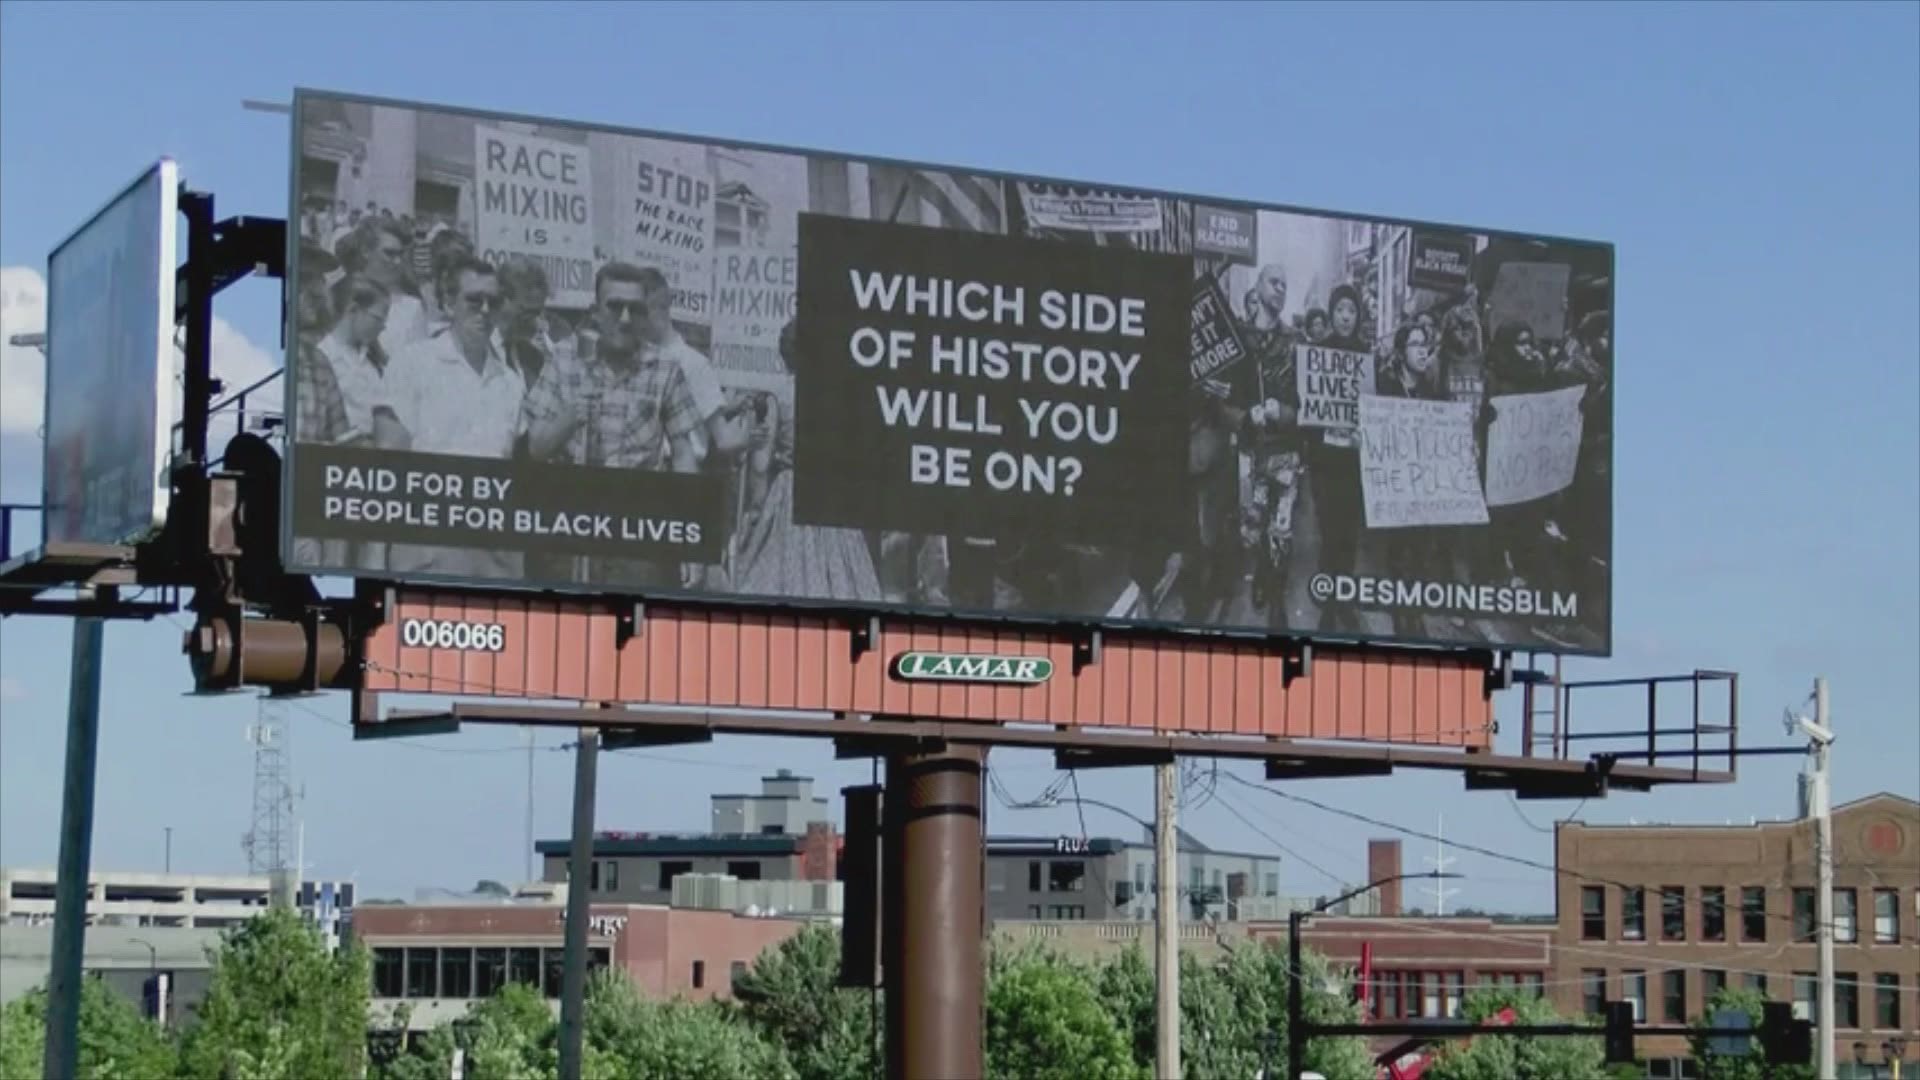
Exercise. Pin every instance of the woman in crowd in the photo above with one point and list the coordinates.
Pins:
(1414, 370)
(1333, 469)
(772, 555)
(1343, 315)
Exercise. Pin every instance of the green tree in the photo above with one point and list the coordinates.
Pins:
(1123, 981)
(116, 1041)
(628, 1035)
(1511, 1057)
(280, 1005)
(1751, 1065)
(792, 995)
(512, 1035)
(1045, 1022)
(1234, 1015)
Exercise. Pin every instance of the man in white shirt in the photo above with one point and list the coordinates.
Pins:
(454, 393)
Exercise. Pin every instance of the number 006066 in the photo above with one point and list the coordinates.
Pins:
(450, 634)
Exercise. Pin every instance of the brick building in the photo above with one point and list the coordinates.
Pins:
(439, 959)
(1663, 915)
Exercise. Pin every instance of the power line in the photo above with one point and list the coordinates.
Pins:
(1269, 838)
(1518, 860)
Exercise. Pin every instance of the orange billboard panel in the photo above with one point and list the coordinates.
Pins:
(546, 648)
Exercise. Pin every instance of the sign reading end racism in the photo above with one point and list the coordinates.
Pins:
(979, 385)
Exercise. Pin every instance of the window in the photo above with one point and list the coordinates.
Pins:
(1846, 916)
(1673, 995)
(1633, 914)
(671, 870)
(1535, 984)
(736, 971)
(1636, 993)
(593, 875)
(1756, 981)
(1593, 991)
(456, 973)
(553, 969)
(1033, 876)
(1068, 876)
(1806, 1002)
(1139, 879)
(1886, 1001)
(1846, 999)
(422, 972)
(1453, 984)
(613, 875)
(388, 967)
(1593, 913)
(1713, 913)
(1067, 911)
(1712, 981)
(489, 971)
(1803, 913)
(1122, 893)
(1673, 913)
(1886, 916)
(1753, 913)
(744, 869)
(598, 959)
(523, 966)
(699, 974)
(1273, 884)
(1430, 996)
(1033, 911)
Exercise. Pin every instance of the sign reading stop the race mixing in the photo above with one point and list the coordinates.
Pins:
(702, 369)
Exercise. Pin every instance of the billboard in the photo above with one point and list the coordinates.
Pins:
(538, 354)
(110, 360)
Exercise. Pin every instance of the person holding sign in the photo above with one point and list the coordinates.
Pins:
(1333, 466)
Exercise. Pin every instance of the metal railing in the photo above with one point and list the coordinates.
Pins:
(1693, 725)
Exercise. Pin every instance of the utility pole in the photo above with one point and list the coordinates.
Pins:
(573, 976)
(1823, 857)
(70, 889)
(1166, 925)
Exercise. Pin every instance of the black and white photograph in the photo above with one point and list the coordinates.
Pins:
(539, 354)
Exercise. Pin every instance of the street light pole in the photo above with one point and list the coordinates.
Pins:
(1296, 975)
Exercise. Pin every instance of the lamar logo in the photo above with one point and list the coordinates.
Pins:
(968, 667)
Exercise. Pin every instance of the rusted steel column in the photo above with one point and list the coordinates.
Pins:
(935, 970)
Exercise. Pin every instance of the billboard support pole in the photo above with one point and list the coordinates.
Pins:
(936, 1003)
(573, 976)
(76, 850)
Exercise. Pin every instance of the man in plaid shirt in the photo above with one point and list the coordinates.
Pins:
(611, 401)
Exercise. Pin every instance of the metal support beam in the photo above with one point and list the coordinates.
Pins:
(573, 976)
(936, 1001)
(76, 852)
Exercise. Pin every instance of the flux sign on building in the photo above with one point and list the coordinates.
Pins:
(973, 668)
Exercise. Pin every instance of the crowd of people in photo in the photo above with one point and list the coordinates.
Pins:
(1247, 514)
(410, 341)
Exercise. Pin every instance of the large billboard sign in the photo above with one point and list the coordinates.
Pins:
(537, 354)
(110, 360)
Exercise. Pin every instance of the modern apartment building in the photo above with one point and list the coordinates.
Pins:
(1662, 916)
(1102, 878)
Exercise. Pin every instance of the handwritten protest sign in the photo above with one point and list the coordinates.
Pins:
(1417, 463)
(1533, 445)
(754, 294)
(668, 203)
(1533, 293)
(1228, 234)
(1216, 340)
(1442, 261)
(534, 199)
(1088, 209)
(1331, 384)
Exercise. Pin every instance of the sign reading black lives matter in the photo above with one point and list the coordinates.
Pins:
(537, 354)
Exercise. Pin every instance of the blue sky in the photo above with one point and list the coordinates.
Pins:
(1757, 166)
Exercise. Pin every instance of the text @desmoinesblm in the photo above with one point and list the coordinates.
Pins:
(507, 506)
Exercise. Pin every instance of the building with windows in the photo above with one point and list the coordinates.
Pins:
(782, 834)
(438, 959)
(1662, 916)
(143, 899)
(1101, 878)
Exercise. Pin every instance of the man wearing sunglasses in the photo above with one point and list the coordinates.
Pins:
(454, 393)
(614, 400)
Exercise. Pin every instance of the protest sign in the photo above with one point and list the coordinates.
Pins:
(966, 382)
(754, 294)
(1417, 463)
(1227, 234)
(1331, 384)
(1441, 261)
(1216, 339)
(1533, 293)
(1533, 445)
(668, 203)
(533, 198)
(1088, 209)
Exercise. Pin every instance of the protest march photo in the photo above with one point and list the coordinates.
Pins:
(651, 365)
